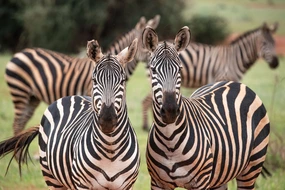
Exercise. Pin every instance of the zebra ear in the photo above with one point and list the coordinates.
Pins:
(273, 28)
(264, 26)
(182, 39)
(141, 24)
(149, 39)
(128, 54)
(94, 51)
(153, 23)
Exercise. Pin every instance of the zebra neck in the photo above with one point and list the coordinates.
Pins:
(245, 52)
(169, 132)
(110, 144)
(122, 42)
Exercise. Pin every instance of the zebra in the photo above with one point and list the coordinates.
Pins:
(203, 64)
(36, 75)
(220, 133)
(87, 142)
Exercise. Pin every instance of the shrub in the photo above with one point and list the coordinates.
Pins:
(208, 29)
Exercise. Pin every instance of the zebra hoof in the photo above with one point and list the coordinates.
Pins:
(145, 128)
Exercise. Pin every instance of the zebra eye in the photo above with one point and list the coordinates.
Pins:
(123, 80)
(94, 80)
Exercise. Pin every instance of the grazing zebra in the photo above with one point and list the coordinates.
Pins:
(220, 133)
(87, 142)
(203, 64)
(35, 75)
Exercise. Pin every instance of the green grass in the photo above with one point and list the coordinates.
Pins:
(259, 78)
(242, 15)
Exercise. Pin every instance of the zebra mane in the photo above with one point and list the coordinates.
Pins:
(108, 56)
(246, 34)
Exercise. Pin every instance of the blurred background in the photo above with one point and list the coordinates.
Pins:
(66, 25)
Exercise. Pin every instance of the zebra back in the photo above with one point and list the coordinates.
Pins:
(221, 132)
(125, 40)
(35, 75)
(204, 64)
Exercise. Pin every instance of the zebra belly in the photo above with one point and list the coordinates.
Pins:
(105, 175)
(180, 170)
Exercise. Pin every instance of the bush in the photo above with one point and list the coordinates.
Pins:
(66, 26)
(208, 29)
(11, 27)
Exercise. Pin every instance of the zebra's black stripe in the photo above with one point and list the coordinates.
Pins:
(220, 133)
(204, 64)
(35, 75)
(87, 142)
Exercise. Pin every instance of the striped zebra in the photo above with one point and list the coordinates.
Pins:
(35, 75)
(203, 64)
(87, 142)
(220, 133)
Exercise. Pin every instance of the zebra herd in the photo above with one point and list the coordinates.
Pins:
(86, 141)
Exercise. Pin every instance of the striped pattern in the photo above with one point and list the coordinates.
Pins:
(36, 75)
(79, 149)
(90, 156)
(220, 133)
(203, 64)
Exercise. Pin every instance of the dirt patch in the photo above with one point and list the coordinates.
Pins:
(269, 5)
(279, 41)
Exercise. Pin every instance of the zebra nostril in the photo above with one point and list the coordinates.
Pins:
(274, 63)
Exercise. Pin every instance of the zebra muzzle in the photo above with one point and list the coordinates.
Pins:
(107, 118)
(170, 109)
(274, 63)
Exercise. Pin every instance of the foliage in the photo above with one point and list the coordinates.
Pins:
(10, 26)
(208, 29)
(66, 25)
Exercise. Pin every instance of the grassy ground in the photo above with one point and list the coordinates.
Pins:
(242, 15)
(260, 78)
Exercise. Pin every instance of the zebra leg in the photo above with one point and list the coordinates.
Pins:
(24, 110)
(146, 104)
(247, 178)
(51, 182)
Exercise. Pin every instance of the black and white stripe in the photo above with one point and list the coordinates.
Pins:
(220, 133)
(204, 64)
(36, 75)
(87, 142)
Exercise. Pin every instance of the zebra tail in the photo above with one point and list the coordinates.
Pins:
(265, 173)
(20, 145)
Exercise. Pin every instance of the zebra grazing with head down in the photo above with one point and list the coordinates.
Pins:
(220, 133)
(87, 142)
(203, 64)
(35, 75)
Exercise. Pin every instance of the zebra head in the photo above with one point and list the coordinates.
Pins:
(108, 95)
(165, 70)
(266, 45)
